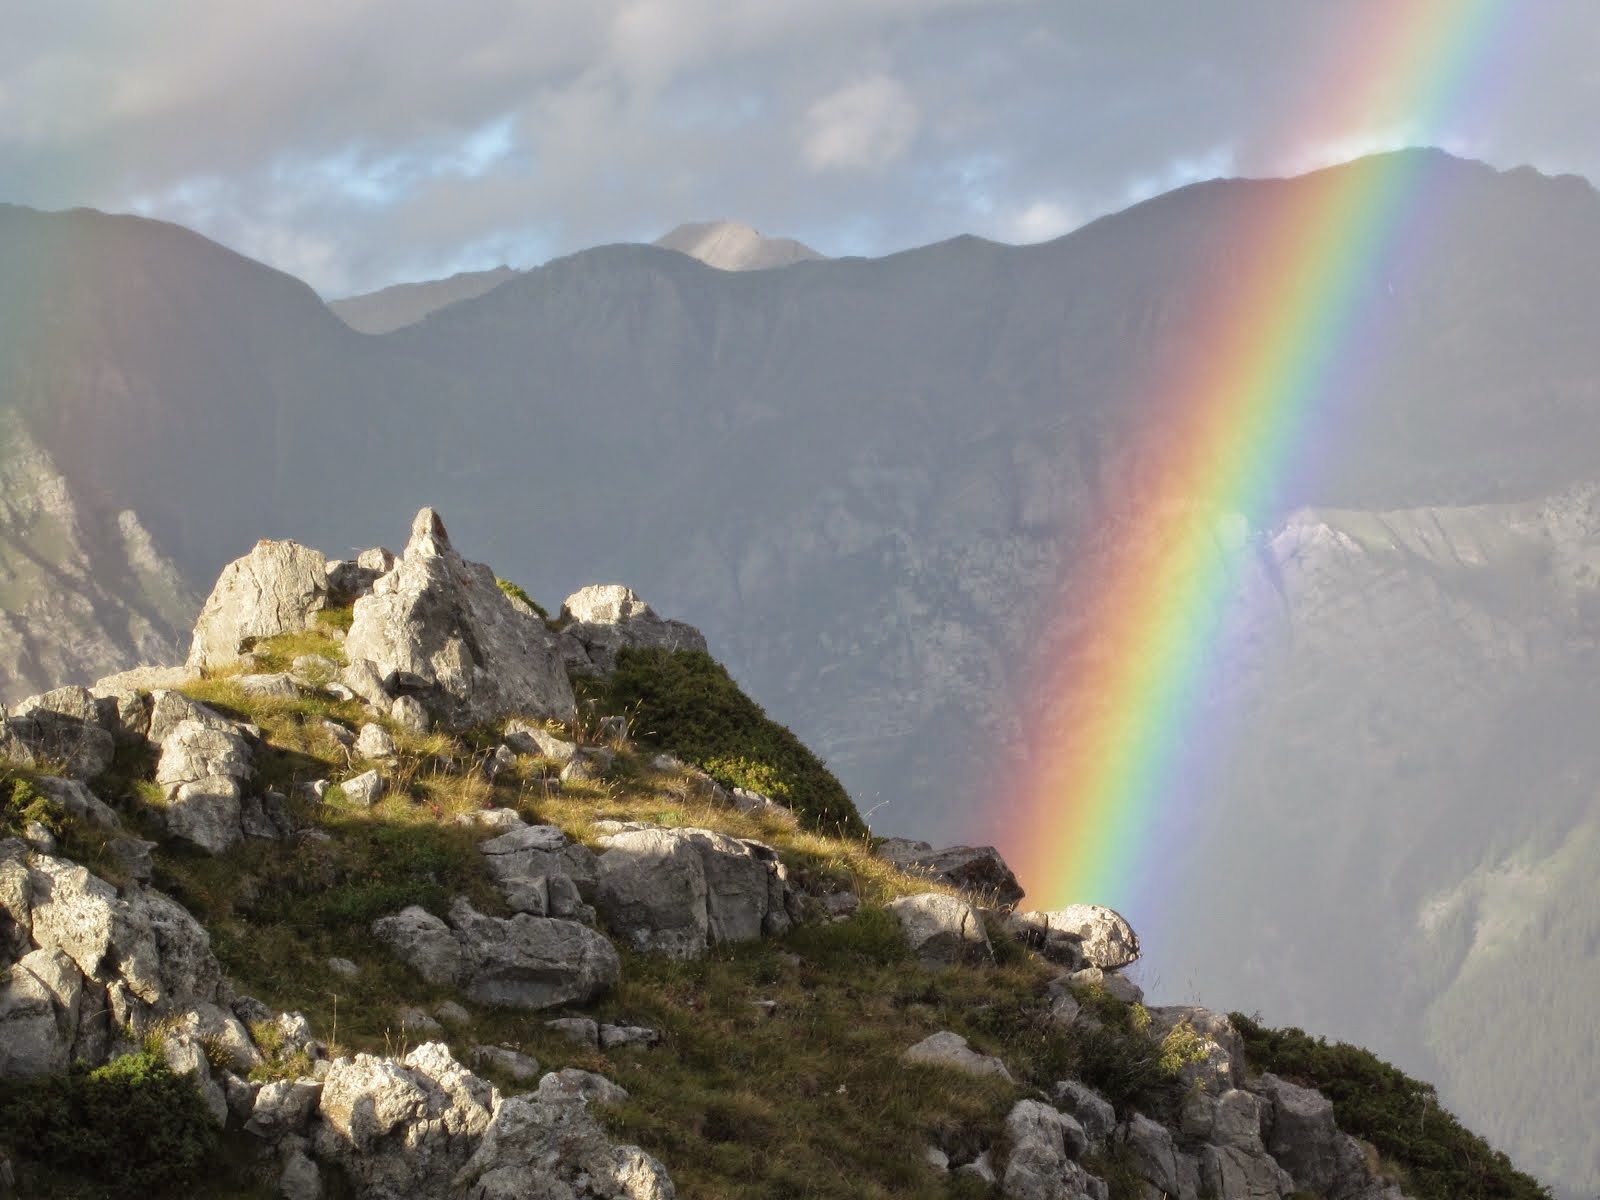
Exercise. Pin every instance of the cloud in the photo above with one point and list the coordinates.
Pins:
(1039, 222)
(869, 124)
(360, 142)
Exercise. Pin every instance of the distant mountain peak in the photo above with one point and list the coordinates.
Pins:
(733, 246)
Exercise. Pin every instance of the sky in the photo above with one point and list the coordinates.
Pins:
(358, 143)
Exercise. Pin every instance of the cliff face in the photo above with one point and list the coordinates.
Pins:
(82, 593)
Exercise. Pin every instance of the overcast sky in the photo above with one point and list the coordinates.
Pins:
(357, 143)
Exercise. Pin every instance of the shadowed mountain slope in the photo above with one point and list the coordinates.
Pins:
(880, 488)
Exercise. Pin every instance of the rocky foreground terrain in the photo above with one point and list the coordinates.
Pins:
(397, 888)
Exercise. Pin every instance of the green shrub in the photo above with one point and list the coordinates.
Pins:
(132, 1126)
(22, 803)
(686, 702)
(516, 593)
(1399, 1115)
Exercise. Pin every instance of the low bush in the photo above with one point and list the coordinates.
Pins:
(1399, 1115)
(686, 702)
(132, 1126)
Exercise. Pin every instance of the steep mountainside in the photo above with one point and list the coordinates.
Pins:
(404, 304)
(881, 486)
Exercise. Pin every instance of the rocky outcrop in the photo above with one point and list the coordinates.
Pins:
(604, 619)
(90, 960)
(1079, 935)
(942, 930)
(439, 627)
(976, 869)
(518, 962)
(66, 725)
(277, 588)
(680, 891)
(946, 1049)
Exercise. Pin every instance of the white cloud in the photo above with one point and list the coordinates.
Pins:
(868, 124)
(1039, 222)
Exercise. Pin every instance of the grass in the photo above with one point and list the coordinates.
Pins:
(802, 1095)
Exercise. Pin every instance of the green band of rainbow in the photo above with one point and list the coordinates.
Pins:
(1238, 416)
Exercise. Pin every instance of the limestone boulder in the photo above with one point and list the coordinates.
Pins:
(552, 1146)
(1043, 1144)
(1304, 1139)
(947, 1049)
(40, 999)
(402, 1127)
(532, 962)
(942, 930)
(1093, 1112)
(64, 725)
(1222, 1065)
(1080, 935)
(679, 891)
(977, 869)
(277, 588)
(604, 619)
(428, 945)
(444, 622)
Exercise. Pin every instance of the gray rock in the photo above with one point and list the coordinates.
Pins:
(409, 713)
(133, 856)
(283, 1107)
(527, 737)
(266, 817)
(591, 764)
(429, 946)
(1112, 983)
(169, 709)
(1043, 1144)
(837, 906)
(193, 751)
(364, 678)
(205, 814)
(942, 930)
(280, 684)
(613, 1036)
(1305, 1141)
(946, 1049)
(571, 1083)
(39, 837)
(1079, 935)
(300, 1179)
(679, 891)
(576, 1029)
(1223, 1066)
(503, 759)
(79, 802)
(504, 819)
(980, 1168)
(977, 869)
(514, 1065)
(452, 1014)
(344, 968)
(445, 620)
(552, 1147)
(604, 619)
(39, 1002)
(757, 805)
(64, 725)
(374, 741)
(532, 962)
(277, 588)
(222, 1032)
(402, 1128)
(364, 789)
(1231, 1174)
(314, 670)
(1092, 1110)
(414, 1020)
(1154, 1155)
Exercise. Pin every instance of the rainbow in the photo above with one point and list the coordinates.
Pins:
(1239, 411)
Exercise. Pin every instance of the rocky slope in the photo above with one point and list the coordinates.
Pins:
(518, 903)
(732, 246)
(404, 304)
(875, 483)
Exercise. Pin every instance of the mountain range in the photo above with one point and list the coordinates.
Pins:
(881, 487)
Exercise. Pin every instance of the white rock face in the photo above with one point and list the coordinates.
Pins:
(946, 1049)
(277, 588)
(732, 246)
(942, 930)
(445, 622)
(604, 619)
